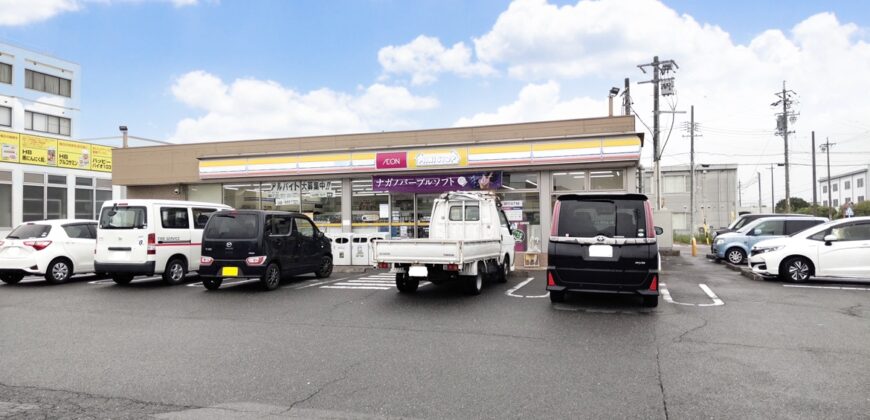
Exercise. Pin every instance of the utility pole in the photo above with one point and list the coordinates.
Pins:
(826, 147)
(626, 98)
(759, 191)
(659, 68)
(772, 199)
(815, 197)
(786, 99)
(691, 127)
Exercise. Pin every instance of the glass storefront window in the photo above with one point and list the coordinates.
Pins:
(402, 225)
(523, 211)
(321, 200)
(102, 197)
(5, 205)
(206, 193)
(84, 203)
(55, 203)
(33, 203)
(520, 181)
(424, 213)
(242, 196)
(569, 181)
(280, 195)
(369, 210)
(607, 180)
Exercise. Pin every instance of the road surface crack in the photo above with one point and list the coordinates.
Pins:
(680, 338)
(321, 388)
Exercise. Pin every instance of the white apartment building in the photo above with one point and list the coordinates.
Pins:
(44, 173)
(849, 187)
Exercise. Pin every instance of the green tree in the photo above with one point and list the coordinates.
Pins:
(862, 208)
(797, 203)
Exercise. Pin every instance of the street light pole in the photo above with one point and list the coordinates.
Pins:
(759, 191)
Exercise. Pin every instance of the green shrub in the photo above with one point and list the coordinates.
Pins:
(862, 208)
(818, 211)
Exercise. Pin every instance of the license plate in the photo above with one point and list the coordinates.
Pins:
(418, 271)
(601, 251)
(230, 271)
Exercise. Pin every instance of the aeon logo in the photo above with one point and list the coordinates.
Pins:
(391, 160)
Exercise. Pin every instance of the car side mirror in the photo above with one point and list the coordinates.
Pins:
(659, 230)
(830, 238)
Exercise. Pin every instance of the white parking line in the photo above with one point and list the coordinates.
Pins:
(666, 295)
(356, 287)
(827, 287)
(519, 286)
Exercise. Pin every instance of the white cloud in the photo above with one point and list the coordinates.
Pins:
(425, 58)
(250, 108)
(538, 102)
(17, 12)
(182, 3)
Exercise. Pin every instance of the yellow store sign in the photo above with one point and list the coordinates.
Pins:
(47, 151)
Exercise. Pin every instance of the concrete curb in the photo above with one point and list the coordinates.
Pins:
(349, 269)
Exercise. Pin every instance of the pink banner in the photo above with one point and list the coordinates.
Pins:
(391, 160)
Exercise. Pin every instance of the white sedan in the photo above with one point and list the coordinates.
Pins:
(840, 248)
(56, 249)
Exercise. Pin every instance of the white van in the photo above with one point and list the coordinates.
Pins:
(148, 237)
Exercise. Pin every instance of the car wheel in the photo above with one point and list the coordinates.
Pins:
(175, 272)
(59, 271)
(406, 284)
(122, 279)
(650, 301)
(504, 270)
(557, 297)
(325, 269)
(212, 284)
(735, 256)
(11, 278)
(796, 269)
(272, 278)
(473, 285)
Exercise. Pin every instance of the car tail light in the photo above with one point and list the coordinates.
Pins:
(152, 244)
(205, 261)
(383, 265)
(550, 281)
(554, 228)
(37, 245)
(654, 285)
(650, 226)
(255, 261)
(451, 267)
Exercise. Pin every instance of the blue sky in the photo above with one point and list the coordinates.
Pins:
(229, 69)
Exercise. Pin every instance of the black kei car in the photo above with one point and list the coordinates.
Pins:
(264, 245)
(603, 243)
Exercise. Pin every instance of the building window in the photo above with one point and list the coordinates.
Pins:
(6, 205)
(824, 189)
(519, 181)
(860, 183)
(55, 203)
(5, 73)
(33, 206)
(369, 210)
(672, 184)
(834, 188)
(47, 83)
(523, 211)
(6, 116)
(321, 200)
(860, 199)
(46, 123)
(847, 185)
(101, 197)
(84, 204)
(569, 181)
(826, 203)
(836, 202)
(242, 196)
(607, 180)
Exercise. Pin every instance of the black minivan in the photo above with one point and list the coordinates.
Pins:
(264, 245)
(603, 243)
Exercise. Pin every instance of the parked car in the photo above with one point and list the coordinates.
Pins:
(148, 237)
(56, 249)
(263, 245)
(469, 240)
(840, 248)
(734, 246)
(603, 243)
(747, 218)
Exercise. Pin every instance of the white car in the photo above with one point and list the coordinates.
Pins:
(56, 249)
(840, 248)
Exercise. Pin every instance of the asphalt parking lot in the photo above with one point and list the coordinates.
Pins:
(718, 346)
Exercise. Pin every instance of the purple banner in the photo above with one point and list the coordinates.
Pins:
(437, 183)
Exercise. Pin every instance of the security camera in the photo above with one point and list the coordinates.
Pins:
(176, 191)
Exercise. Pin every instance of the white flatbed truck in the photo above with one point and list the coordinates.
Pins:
(469, 240)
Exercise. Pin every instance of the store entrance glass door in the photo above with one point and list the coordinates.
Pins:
(402, 216)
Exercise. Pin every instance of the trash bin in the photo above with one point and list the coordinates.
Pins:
(360, 250)
(341, 248)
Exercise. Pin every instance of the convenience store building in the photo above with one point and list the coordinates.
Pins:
(386, 182)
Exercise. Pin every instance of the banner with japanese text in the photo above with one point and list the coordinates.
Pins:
(10, 147)
(101, 158)
(73, 155)
(480, 181)
(36, 150)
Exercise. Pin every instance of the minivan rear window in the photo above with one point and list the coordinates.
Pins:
(123, 218)
(29, 231)
(231, 226)
(586, 218)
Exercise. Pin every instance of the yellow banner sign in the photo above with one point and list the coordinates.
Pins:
(37, 150)
(10, 148)
(101, 158)
(74, 155)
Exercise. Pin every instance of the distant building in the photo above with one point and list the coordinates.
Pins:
(44, 173)
(850, 187)
(716, 201)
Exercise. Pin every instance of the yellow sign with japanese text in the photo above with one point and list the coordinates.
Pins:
(101, 158)
(10, 147)
(73, 155)
(36, 150)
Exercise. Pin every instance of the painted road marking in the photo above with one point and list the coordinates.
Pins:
(519, 286)
(377, 281)
(866, 289)
(666, 294)
(135, 280)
